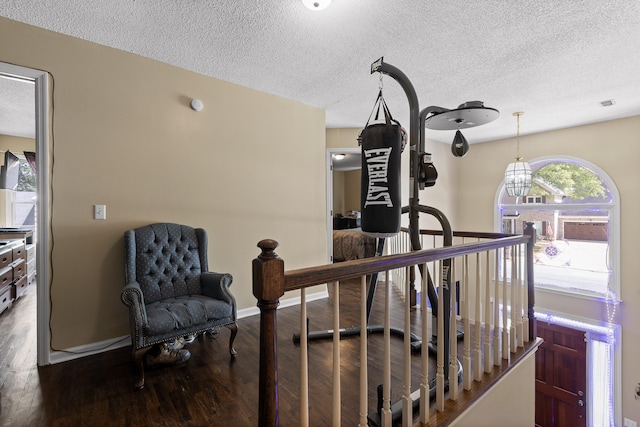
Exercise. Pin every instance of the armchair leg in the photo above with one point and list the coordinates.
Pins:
(233, 327)
(138, 356)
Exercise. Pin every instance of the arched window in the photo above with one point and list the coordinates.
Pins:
(574, 206)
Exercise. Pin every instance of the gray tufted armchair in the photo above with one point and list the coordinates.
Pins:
(169, 289)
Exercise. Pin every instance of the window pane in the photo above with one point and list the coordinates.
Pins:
(571, 249)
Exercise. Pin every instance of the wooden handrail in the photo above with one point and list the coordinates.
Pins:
(304, 277)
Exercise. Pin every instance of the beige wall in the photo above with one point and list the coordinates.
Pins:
(501, 406)
(612, 146)
(352, 189)
(124, 136)
(338, 192)
(16, 144)
(442, 195)
(346, 191)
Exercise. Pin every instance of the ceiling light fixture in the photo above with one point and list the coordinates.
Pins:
(316, 4)
(517, 176)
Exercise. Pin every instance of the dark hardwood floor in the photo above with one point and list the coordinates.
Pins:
(211, 389)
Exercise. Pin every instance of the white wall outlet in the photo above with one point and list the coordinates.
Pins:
(630, 423)
(99, 211)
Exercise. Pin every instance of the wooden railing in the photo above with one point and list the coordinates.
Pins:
(496, 284)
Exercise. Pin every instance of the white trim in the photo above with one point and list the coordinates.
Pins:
(59, 356)
(289, 302)
(525, 207)
(43, 263)
(578, 293)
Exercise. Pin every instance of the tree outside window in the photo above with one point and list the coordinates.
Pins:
(26, 177)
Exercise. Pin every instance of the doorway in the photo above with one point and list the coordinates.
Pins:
(343, 168)
(40, 81)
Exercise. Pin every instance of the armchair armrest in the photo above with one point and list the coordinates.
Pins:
(216, 285)
(133, 298)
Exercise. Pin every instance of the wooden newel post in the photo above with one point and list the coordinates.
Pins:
(531, 232)
(268, 287)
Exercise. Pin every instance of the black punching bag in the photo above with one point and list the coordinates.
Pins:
(382, 145)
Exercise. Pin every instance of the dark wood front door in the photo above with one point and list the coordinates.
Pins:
(561, 376)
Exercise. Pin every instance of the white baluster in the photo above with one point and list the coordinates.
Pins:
(525, 296)
(488, 310)
(364, 387)
(337, 414)
(466, 358)
(440, 347)
(424, 351)
(453, 338)
(477, 353)
(505, 306)
(407, 402)
(514, 306)
(520, 330)
(496, 313)
(304, 361)
(386, 380)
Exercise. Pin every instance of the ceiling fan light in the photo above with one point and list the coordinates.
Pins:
(316, 4)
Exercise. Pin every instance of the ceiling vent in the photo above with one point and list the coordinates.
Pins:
(607, 103)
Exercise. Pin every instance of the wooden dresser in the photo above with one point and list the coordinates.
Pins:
(13, 275)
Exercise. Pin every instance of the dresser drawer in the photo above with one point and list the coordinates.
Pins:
(18, 252)
(6, 257)
(31, 267)
(19, 269)
(30, 251)
(5, 298)
(6, 277)
(20, 287)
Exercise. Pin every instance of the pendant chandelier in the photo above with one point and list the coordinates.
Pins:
(517, 176)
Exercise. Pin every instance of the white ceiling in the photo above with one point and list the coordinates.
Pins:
(555, 60)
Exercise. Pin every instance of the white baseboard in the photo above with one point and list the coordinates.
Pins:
(289, 302)
(59, 356)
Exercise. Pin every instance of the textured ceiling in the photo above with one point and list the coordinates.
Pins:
(554, 60)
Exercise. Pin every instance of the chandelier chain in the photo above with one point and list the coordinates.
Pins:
(518, 114)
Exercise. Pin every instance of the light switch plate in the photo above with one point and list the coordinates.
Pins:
(99, 211)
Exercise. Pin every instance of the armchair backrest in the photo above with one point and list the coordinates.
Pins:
(166, 260)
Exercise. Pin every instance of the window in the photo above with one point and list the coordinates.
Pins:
(534, 199)
(574, 207)
(18, 199)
